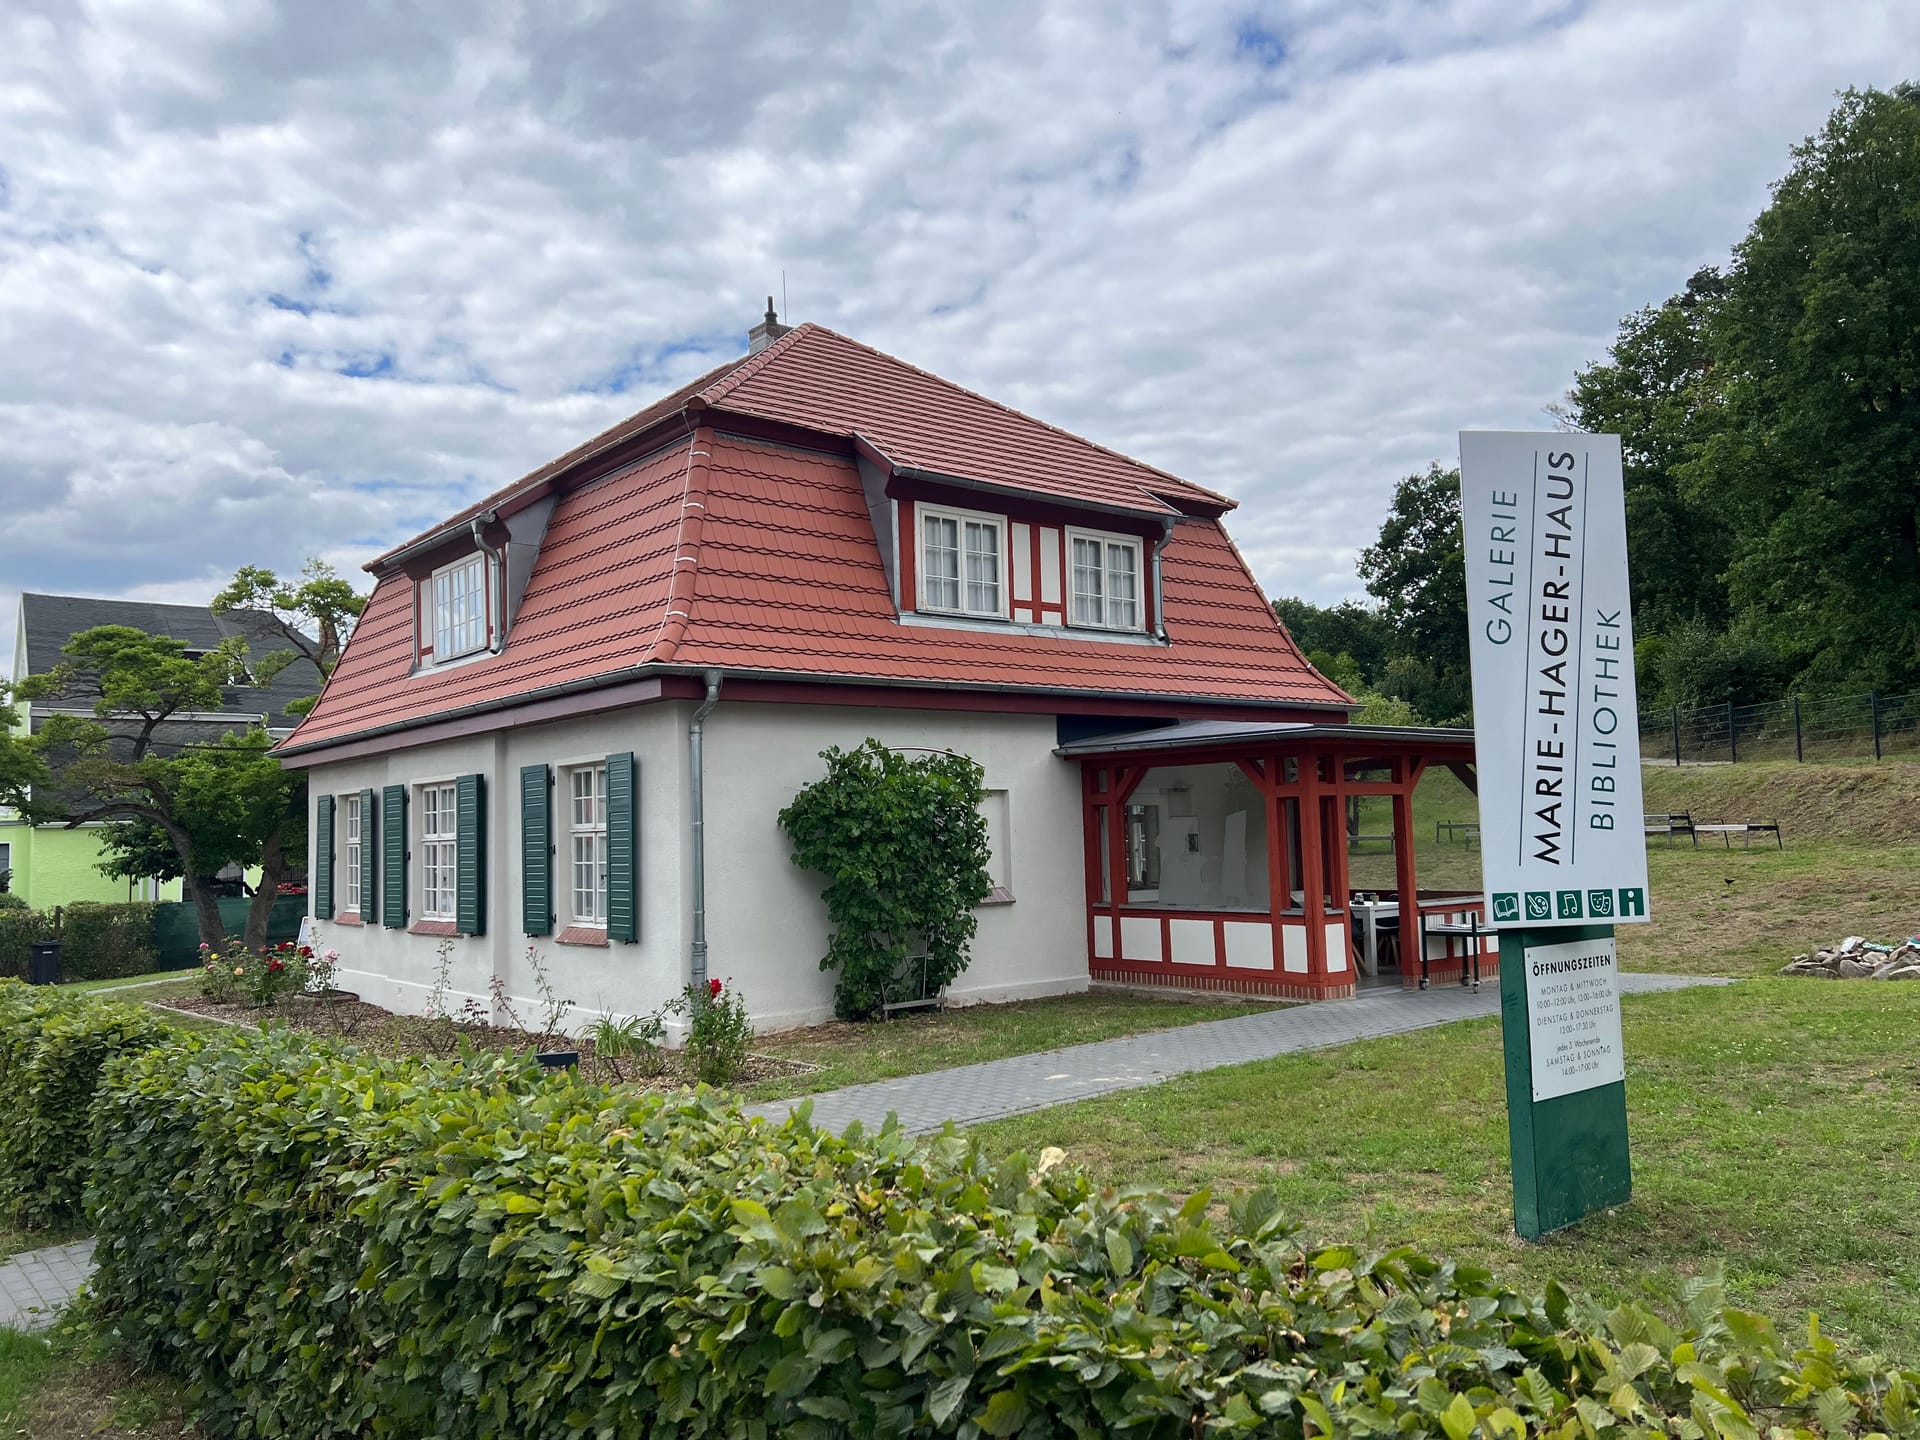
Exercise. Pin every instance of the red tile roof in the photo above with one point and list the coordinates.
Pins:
(780, 573)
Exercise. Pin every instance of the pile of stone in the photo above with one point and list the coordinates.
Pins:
(1857, 958)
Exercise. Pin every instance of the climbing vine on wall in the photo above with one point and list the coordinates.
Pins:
(903, 846)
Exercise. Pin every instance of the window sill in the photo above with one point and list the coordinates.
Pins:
(433, 927)
(582, 935)
(348, 918)
(999, 895)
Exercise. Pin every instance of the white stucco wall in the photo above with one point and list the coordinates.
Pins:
(766, 925)
(396, 969)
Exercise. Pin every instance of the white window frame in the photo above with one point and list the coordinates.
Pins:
(590, 833)
(351, 822)
(452, 634)
(996, 808)
(439, 809)
(1107, 542)
(1003, 584)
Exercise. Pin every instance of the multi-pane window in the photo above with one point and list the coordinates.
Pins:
(587, 829)
(1106, 583)
(439, 851)
(352, 807)
(961, 563)
(460, 608)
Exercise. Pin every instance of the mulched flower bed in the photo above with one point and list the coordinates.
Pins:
(385, 1033)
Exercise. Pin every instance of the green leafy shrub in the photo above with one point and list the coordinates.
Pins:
(719, 1032)
(52, 1048)
(329, 1245)
(11, 901)
(904, 848)
(106, 941)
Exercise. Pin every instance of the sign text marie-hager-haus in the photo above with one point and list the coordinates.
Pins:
(1555, 713)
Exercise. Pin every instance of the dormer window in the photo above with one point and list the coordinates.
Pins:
(1105, 592)
(456, 611)
(962, 563)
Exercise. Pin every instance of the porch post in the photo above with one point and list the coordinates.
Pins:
(1313, 878)
(1406, 873)
(1276, 862)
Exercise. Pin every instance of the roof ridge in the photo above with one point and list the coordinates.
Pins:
(752, 365)
(1184, 485)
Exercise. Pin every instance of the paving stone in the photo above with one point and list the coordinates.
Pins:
(37, 1284)
(970, 1094)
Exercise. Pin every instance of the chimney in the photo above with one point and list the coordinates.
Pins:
(766, 332)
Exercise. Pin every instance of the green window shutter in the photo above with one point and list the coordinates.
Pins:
(470, 866)
(623, 847)
(369, 859)
(323, 857)
(536, 849)
(393, 857)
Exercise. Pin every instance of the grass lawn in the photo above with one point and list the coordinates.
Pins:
(854, 1054)
(67, 1386)
(1775, 1128)
(144, 987)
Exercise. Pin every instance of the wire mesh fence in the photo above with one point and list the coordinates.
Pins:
(1840, 727)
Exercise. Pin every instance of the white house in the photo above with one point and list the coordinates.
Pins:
(572, 712)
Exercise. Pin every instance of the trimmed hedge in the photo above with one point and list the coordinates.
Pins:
(106, 941)
(18, 930)
(52, 1048)
(328, 1245)
(98, 940)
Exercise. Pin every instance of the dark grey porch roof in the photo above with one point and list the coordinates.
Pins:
(1191, 733)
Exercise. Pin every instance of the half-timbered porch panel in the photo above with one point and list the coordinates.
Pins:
(1217, 859)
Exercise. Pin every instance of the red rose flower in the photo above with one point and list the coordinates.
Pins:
(713, 987)
(276, 965)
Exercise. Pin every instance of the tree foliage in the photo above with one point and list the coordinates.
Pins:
(226, 801)
(903, 846)
(313, 615)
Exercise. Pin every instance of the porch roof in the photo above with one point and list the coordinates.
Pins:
(1231, 734)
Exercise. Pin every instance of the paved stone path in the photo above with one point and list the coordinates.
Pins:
(36, 1285)
(969, 1094)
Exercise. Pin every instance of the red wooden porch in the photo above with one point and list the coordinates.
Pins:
(1217, 859)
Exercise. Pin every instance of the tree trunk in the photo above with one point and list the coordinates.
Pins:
(273, 869)
(213, 928)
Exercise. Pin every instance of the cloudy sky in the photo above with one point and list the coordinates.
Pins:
(291, 279)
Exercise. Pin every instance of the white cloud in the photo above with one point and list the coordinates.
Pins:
(285, 279)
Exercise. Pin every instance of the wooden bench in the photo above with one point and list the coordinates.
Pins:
(1445, 830)
(1746, 829)
(1680, 822)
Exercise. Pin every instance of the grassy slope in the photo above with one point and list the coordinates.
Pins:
(1776, 1128)
(854, 1054)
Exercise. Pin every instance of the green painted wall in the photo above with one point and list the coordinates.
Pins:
(55, 866)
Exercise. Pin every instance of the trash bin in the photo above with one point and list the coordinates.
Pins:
(43, 963)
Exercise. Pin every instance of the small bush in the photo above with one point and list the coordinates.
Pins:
(719, 1032)
(52, 1048)
(106, 941)
(903, 846)
(11, 901)
(329, 1245)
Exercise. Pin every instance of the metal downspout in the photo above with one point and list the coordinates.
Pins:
(498, 584)
(1159, 608)
(696, 729)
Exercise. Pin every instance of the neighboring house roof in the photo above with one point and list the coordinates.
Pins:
(48, 622)
(722, 549)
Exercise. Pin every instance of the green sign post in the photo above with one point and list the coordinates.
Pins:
(1559, 1016)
